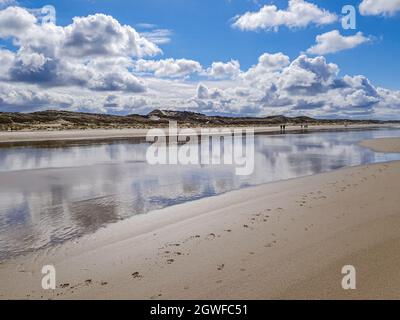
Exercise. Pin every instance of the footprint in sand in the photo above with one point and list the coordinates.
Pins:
(211, 236)
(197, 236)
(137, 275)
(169, 245)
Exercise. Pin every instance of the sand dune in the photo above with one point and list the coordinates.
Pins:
(282, 240)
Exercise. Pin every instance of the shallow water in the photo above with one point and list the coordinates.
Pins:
(53, 192)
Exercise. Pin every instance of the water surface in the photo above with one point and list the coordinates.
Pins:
(53, 192)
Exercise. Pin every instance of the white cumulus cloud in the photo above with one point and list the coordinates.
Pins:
(333, 41)
(379, 7)
(169, 68)
(299, 14)
(222, 70)
(94, 51)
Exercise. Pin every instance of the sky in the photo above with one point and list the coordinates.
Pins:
(225, 57)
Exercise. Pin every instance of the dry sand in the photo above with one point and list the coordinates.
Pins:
(288, 239)
(92, 134)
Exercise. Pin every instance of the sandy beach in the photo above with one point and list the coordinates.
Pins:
(281, 240)
(96, 134)
(382, 145)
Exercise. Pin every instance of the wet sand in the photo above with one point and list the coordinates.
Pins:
(288, 239)
(382, 145)
(93, 134)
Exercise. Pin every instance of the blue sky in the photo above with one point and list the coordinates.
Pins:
(202, 31)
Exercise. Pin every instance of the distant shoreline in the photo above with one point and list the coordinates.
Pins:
(58, 120)
(105, 134)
